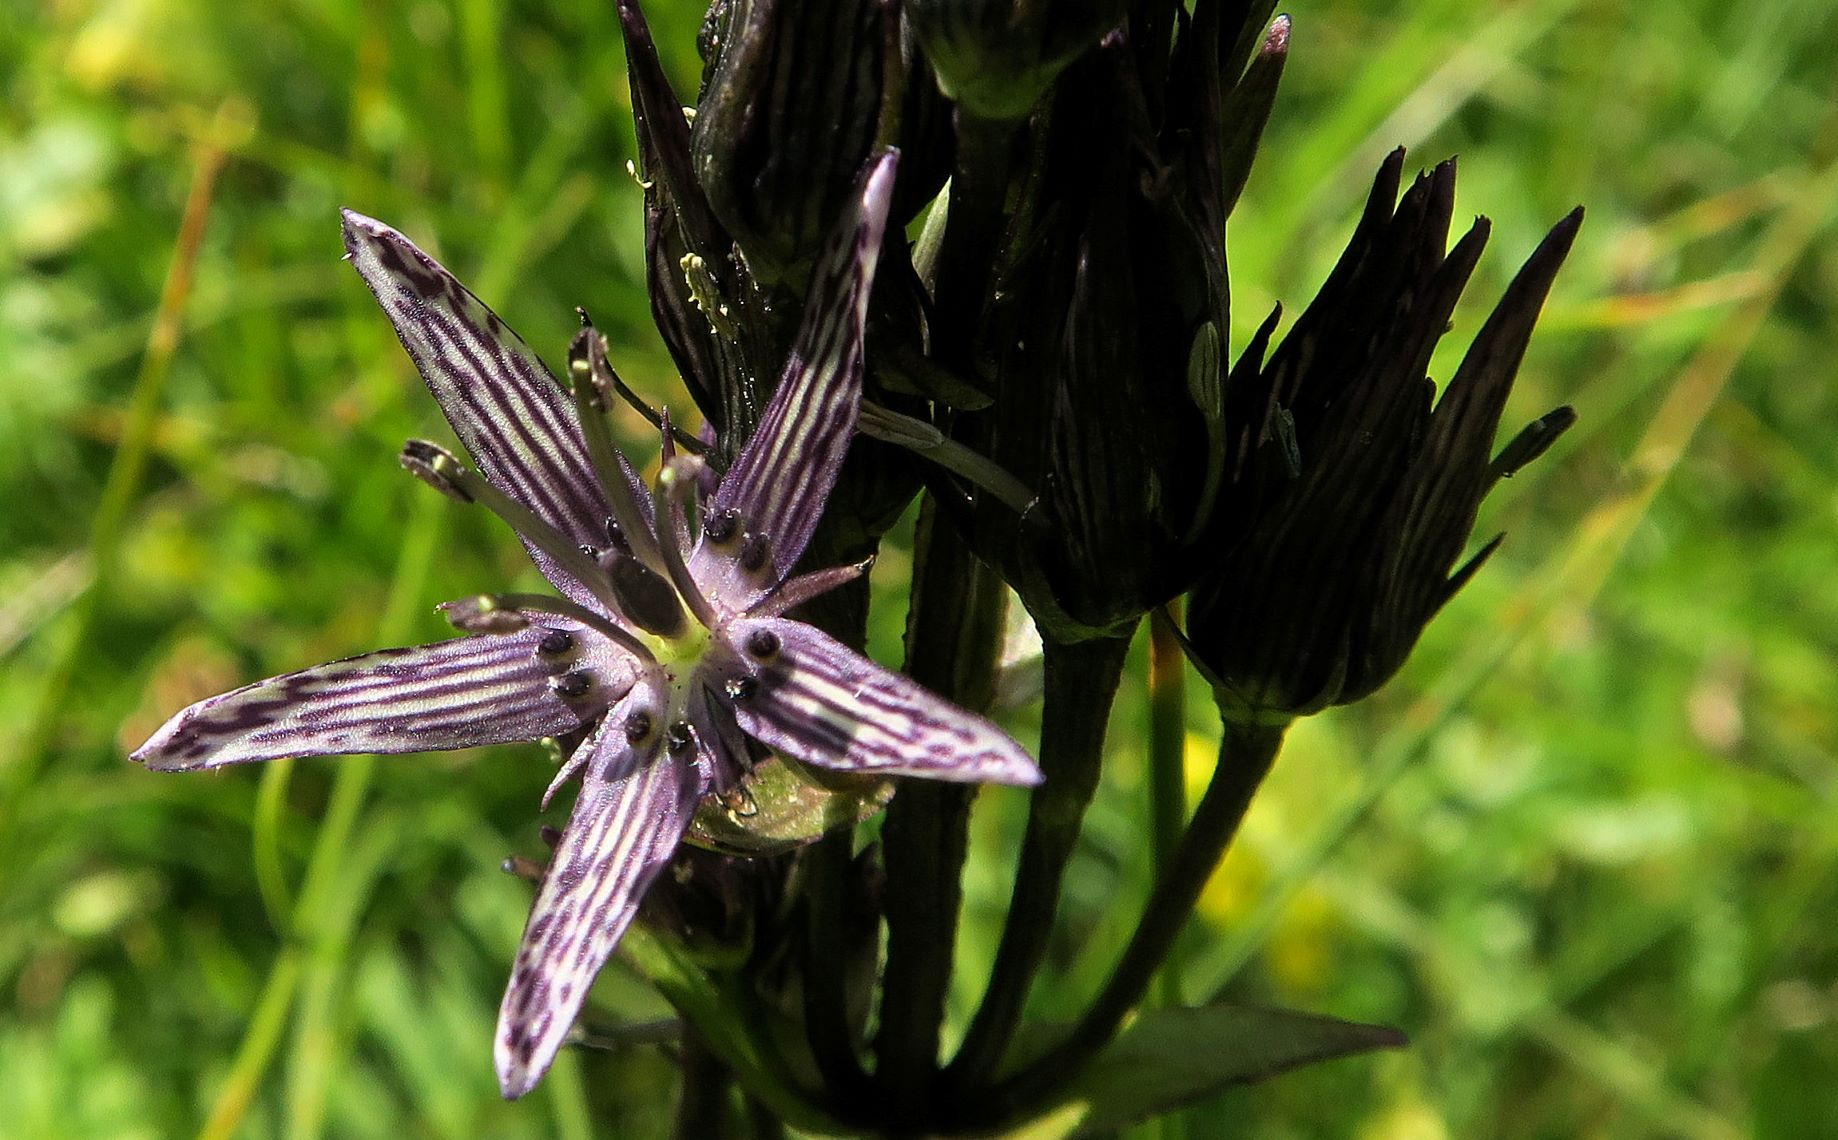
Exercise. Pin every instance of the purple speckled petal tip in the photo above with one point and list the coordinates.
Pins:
(633, 808)
(781, 479)
(512, 416)
(452, 694)
(821, 702)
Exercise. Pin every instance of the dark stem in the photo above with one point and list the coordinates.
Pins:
(762, 1122)
(973, 227)
(953, 635)
(1081, 682)
(1245, 755)
(825, 974)
(702, 1103)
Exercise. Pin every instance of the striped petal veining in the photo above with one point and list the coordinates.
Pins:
(634, 805)
(452, 694)
(779, 483)
(507, 409)
(821, 702)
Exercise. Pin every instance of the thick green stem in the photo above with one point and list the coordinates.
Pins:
(953, 635)
(1081, 682)
(1245, 755)
(1167, 769)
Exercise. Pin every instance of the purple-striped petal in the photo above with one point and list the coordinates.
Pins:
(777, 485)
(452, 694)
(509, 411)
(818, 701)
(719, 737)
(634, 805)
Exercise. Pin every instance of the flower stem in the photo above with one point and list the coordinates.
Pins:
(973, 227)
(952, 635)
(825, 972)
(702, 1102)
(1167, 774)
(1081, 682)
(1245, 755)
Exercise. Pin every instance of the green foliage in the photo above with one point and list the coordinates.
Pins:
(1581, 853)
(1172, 1057)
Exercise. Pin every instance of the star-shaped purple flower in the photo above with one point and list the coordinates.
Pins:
(667, 644)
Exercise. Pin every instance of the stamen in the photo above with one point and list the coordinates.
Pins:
(587, 376)
(432, 464)
(482, 614)
(524, 868)
(439, 464)
(673, 483)
(637, 727)
(546, 604)
(741, 688)
(739, 802)
(555, 643)
(678, 739)
(605, 377)
(720, 526)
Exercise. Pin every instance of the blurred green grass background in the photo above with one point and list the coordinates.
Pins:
(1583, 851)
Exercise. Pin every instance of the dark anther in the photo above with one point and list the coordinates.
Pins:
(678, 739)
(555, 643)
(589, 551)
(722, 525)
(638, 726)
(549, 835)
(754, 550)
(573, 684)
(742, 688)
(762, 643)
(435, 466)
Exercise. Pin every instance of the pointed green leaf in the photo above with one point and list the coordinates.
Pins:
(1173, 1057)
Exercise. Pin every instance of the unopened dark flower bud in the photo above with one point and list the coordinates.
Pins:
(1361, 485)
(795, 96)
(995, 57)
(1107, 322)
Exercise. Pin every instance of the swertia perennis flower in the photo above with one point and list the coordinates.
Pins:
(667, 655)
